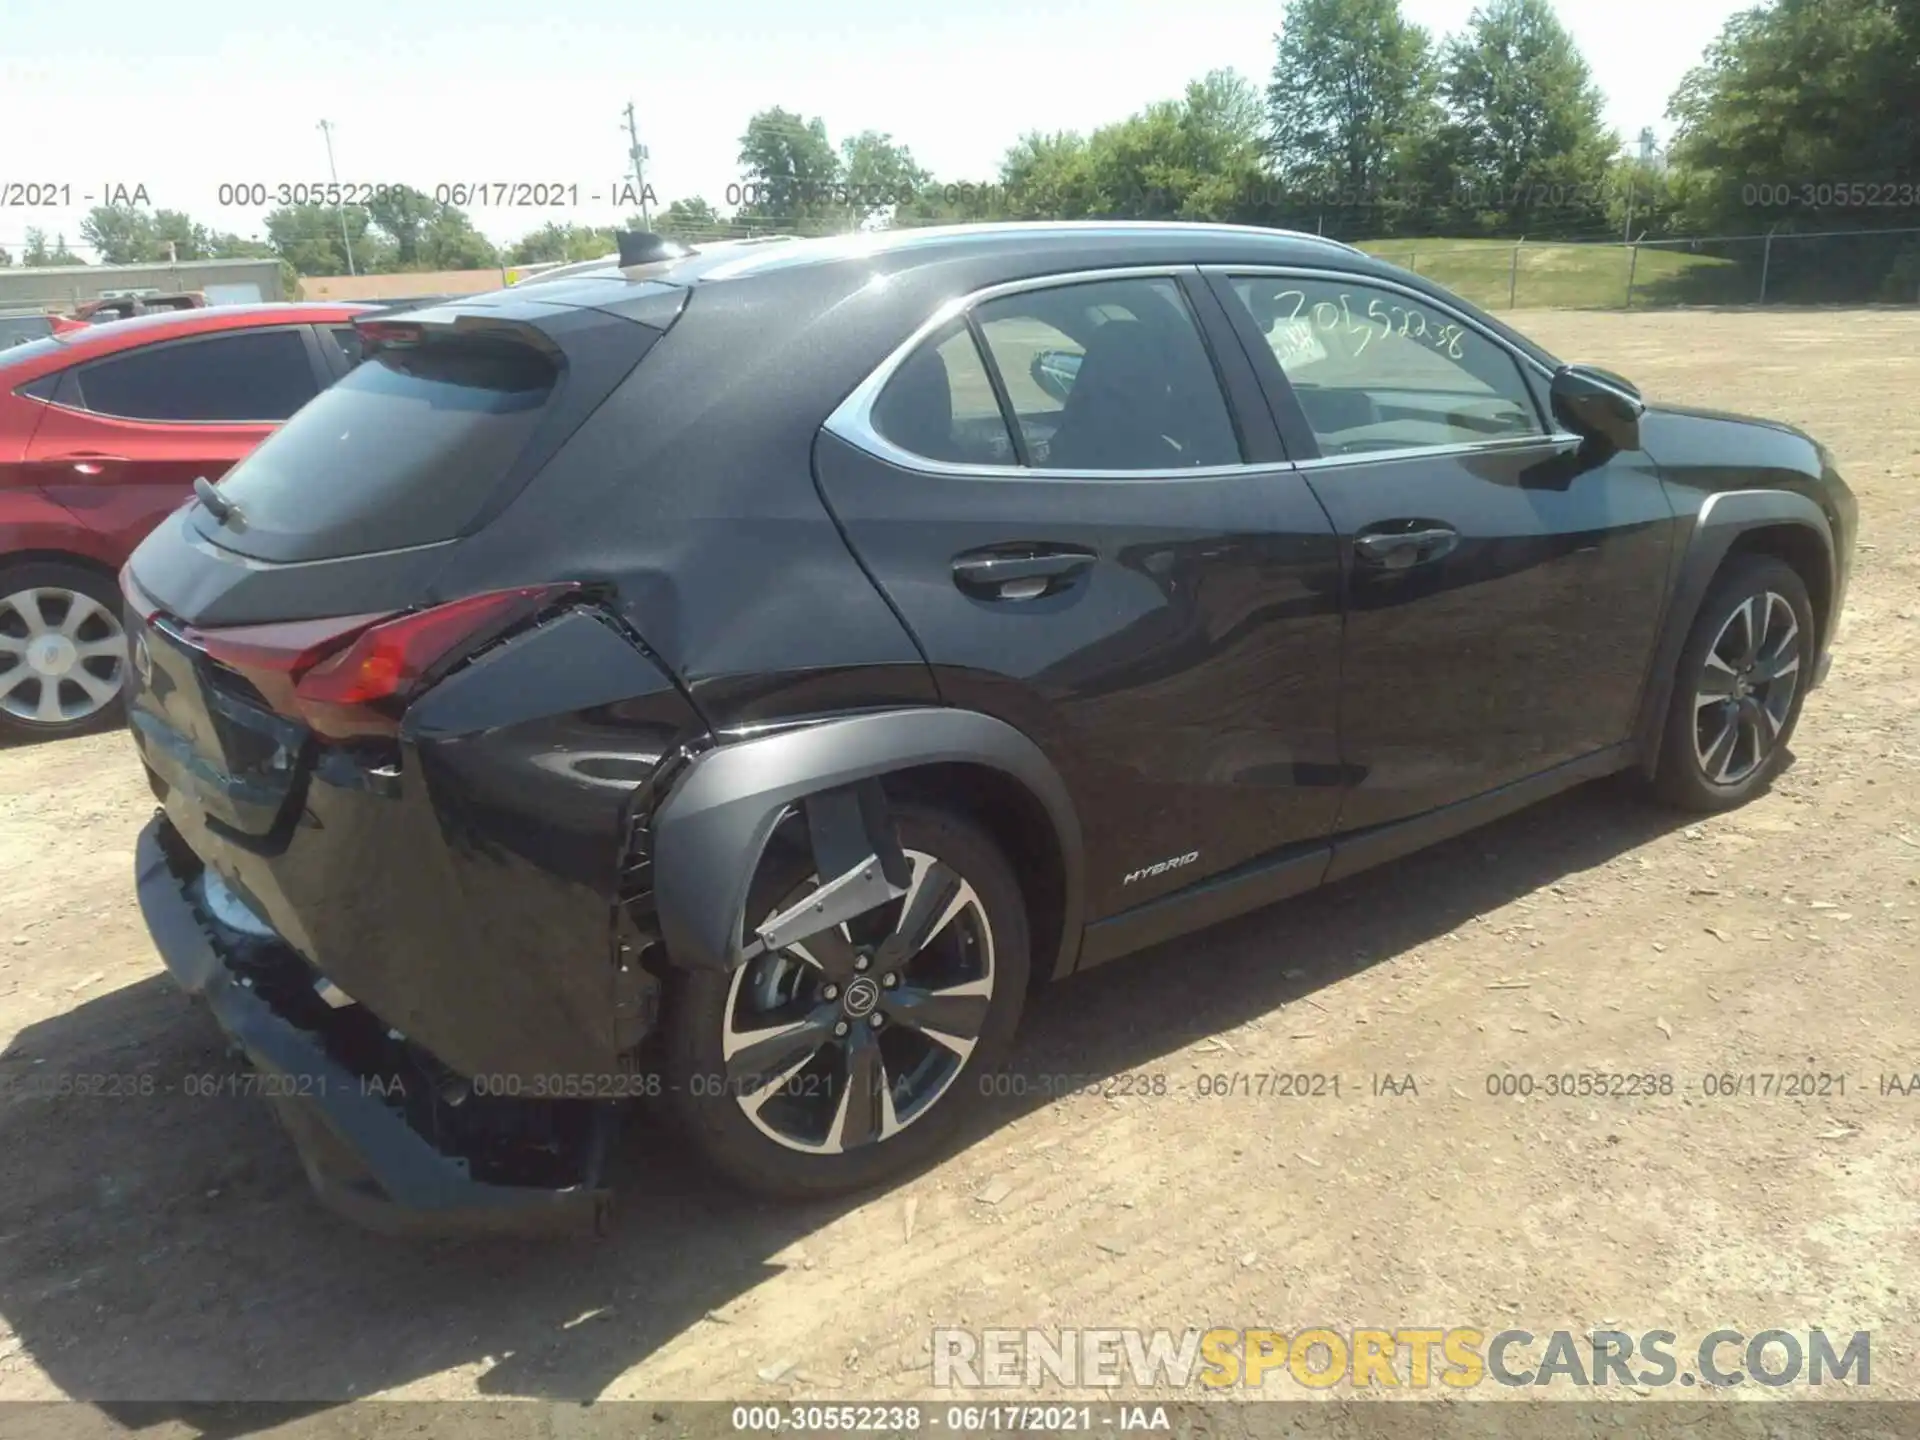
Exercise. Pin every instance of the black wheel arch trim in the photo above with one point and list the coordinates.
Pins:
(709, 832)
(1720, 521)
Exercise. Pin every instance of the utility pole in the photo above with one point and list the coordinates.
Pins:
(1649, 147)
(637, 153)
(326, 129)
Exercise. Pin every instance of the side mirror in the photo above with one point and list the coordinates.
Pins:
(1054, 371)
(1598, 404)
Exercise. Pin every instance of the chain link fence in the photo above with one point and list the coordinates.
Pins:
(1839, 267)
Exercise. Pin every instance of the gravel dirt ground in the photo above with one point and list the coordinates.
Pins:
(166, 1248)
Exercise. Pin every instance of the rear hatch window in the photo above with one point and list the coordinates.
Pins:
(425, 441)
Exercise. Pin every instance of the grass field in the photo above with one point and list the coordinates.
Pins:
(1563, 277)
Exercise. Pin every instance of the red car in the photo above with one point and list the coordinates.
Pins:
(103, 430)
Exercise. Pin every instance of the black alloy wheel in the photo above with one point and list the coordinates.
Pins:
(1739, 686)
(848, 1056)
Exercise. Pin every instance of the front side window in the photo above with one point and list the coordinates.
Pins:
(1109, 375)
(1377, 370)
(253, 375)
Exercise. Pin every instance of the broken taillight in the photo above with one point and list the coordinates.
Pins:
(352, 676)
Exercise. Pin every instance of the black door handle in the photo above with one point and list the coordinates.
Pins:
(1017, 575)
(1402, 549)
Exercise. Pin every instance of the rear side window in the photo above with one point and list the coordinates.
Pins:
(941, 404)
(405, 450)
(1109, 375)
(348, 339)
(261, 375)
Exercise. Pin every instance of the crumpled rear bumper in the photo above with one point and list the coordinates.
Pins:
(364, 1159)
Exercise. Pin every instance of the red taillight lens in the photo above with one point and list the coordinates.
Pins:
(351, 676)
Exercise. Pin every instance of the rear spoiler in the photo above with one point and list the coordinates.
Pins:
(384, 329)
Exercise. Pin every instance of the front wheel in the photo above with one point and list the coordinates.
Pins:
(1739, 686)
(850, 1057)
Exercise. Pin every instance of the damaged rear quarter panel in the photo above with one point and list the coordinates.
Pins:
(529, 757)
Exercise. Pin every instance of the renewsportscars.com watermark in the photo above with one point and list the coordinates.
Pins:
(1405, 1357)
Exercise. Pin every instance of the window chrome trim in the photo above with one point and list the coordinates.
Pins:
(1558, 440)
(852, 419)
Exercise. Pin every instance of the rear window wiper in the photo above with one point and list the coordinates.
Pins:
(219, 506)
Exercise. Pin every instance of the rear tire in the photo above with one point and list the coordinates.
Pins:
(852, 1104)
(63, 651)
(1738, 687)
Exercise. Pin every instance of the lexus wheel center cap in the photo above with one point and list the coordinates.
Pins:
(862, 995)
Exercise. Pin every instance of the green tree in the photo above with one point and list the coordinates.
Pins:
(1800, 116)
(690, 221)
(448, 241)
(308, 238)
(402, 214)
(880, 175)
(1199, 157)
(119, 234)
(38, 252)
(1350, 102)
(955, 203)
(1794, 96)
(790, 172)
(189, 239)
(128, 235)
(554, 242)
(1050, 177)
(223, 245)
(6, 257)
(1644, 198)
(1524, 139)
(1195, 158)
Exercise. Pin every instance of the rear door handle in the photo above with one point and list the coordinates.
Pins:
(1403, 549)
(1018, 575)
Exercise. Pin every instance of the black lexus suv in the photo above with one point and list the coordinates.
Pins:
(733, 678)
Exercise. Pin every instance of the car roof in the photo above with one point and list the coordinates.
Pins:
(734, 259)
(1010, 237)
(955, 259)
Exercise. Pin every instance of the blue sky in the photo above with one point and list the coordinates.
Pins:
(183, 97)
